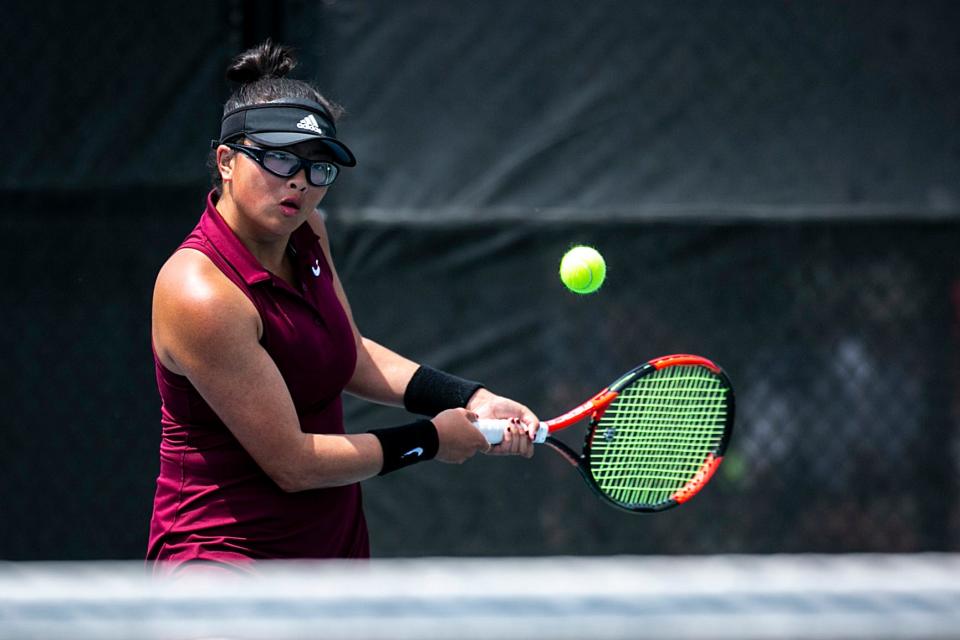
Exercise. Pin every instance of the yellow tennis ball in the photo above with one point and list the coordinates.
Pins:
(583, 269)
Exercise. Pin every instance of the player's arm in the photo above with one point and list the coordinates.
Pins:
(206, 329)
(383, 376)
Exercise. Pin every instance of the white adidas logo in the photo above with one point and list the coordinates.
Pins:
(311, 124)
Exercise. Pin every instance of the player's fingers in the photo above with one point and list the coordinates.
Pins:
(523, 443)
(528, 424)
(519, 437)
(528, 420)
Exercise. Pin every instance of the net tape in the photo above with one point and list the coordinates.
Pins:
(745, 597)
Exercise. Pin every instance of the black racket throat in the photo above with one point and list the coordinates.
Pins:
(571, 456)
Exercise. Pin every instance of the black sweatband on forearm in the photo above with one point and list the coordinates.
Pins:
(431, 391)
(407, 444)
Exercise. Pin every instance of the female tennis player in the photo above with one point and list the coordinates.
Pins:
(254, 343)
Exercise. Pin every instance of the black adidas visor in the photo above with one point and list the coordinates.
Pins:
(286, 122)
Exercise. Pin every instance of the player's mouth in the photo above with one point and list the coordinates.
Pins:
(290, 206)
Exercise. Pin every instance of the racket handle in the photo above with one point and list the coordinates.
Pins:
(492, 430)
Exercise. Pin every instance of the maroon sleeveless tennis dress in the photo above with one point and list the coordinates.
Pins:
(213, 502)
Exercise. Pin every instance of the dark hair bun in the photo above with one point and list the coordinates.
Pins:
(266, 60)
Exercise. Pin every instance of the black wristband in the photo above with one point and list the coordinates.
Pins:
(431, 391)
(407, 444)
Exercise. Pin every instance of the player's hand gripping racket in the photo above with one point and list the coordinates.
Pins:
(656, 435)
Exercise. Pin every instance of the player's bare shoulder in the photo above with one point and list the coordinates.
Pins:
(189, 279)
(195, 304)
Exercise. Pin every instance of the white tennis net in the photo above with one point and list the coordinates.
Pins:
(742, 597)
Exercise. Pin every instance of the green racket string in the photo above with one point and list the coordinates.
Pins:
(655, 436)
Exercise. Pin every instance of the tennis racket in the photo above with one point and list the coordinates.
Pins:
(656, 435)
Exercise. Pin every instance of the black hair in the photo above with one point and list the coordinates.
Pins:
(260, 73)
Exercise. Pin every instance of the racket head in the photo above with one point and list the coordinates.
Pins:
(660, 435)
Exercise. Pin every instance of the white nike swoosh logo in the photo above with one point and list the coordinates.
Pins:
(417, 451)
(316, 269)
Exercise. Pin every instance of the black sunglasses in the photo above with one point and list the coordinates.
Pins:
(285, 164)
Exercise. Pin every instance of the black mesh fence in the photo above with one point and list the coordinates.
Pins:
(841, 341)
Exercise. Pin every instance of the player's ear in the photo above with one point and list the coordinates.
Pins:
(225, 161)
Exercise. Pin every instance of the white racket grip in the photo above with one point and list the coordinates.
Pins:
(492, 430)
